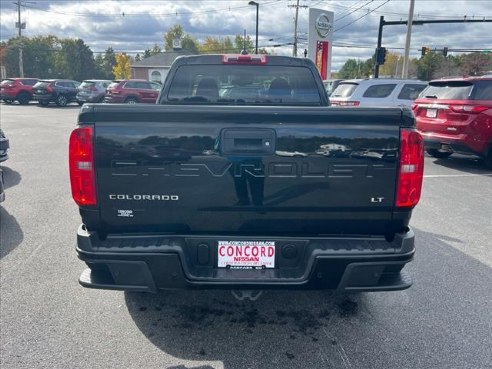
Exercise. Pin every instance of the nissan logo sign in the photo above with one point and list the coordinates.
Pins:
(323, 25)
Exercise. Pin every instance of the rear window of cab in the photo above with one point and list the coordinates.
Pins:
(244, 84)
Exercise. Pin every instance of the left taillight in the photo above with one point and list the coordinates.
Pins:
(411, 172)
(81, 163)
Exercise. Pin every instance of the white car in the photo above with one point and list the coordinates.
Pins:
(377, 92)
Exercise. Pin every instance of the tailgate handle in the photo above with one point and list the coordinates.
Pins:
(249, 141)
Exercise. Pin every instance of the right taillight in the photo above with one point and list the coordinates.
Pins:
(411, 171)
(81, 163)
(473, 109)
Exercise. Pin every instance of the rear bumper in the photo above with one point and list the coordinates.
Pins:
(7, 96)
(114, 99)
(89, 98)
(456, 144)
(150, 263)
(44, 98)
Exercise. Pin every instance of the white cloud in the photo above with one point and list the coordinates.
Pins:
(138, 24)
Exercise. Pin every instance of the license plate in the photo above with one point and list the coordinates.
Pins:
(246, 254)
(431, 113)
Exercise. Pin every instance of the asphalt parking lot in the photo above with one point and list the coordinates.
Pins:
(48, 321)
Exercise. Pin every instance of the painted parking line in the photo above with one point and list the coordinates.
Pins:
(457, 175)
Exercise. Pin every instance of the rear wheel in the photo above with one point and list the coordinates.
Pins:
(131, 100)
(61, 100)
(24, 98)
(438, 154)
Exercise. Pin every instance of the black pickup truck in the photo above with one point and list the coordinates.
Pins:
(242, 177)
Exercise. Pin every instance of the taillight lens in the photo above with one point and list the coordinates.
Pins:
(411, 171)
(473, 109)
(81, 163)
(49, 89)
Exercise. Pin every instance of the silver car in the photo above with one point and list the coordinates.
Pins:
(92, 91)
(377, 92)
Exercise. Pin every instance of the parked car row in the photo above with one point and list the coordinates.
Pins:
(64, 91)
(454, 115)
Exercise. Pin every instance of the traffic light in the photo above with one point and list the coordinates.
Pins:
(425, 50)
(381, 55)
(445, 51)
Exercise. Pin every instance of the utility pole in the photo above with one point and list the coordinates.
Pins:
(21, 25)
(297, 6)
(404, 72)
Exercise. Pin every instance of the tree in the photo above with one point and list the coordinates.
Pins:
(109, 62)
(428, 65)
(75, 60)
(392, 66)
(187, 42)
(122, 69)
(151, 52)
(450, 66)
(105, 63)
(146, 54)
(38, 55)
(217, 45)
(475, 64)
(155, 50)
(241, 43)
(138, 57)
(356, 69)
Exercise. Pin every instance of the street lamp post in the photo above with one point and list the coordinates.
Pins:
(257, 9)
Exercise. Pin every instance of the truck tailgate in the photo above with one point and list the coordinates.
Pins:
(247, 170)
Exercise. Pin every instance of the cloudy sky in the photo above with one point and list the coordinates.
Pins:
(135, 25)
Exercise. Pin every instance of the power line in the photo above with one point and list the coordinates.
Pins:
(419, 15)
(365, 15)
(353, 11)
(168, 14)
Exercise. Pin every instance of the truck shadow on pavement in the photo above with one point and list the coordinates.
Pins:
(11, 234)
(279, 330)
(11, 178)
(322, 329)
(464, 163)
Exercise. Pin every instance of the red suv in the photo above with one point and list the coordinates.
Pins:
(19, 89)
(455, 115)
(132, 91)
